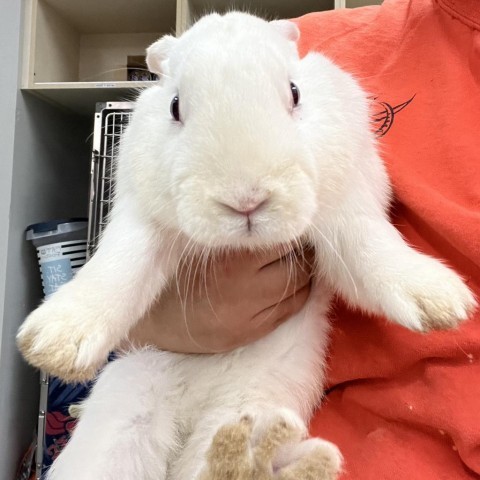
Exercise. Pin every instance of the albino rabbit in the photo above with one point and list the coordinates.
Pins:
(240, 145)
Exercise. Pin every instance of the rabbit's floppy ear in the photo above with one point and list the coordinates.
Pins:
(158, 53)
(287, 29)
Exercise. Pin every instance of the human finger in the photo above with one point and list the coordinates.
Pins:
(264, 258)
(271, 317)
(284, 277)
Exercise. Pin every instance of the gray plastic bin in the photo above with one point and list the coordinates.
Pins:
(61, 250)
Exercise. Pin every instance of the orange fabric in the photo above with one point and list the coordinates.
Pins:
(404, 405)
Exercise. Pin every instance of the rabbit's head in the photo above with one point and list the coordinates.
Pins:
(222, 148)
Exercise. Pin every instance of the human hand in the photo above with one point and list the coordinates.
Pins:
(228, 302)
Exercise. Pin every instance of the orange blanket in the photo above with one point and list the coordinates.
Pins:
(403, 405)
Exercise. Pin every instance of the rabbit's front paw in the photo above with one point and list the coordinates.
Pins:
(430, 297)
(65, 340)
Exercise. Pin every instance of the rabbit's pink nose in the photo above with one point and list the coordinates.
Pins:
(245, 207)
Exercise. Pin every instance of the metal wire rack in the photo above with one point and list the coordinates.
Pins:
(111, 120)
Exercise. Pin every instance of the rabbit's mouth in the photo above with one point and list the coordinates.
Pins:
(241, 215)
(251, 230)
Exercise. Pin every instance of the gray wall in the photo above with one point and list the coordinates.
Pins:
(9, 41)
(44, 165)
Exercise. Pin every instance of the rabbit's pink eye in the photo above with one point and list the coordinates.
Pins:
(295, 94)
(175, 108)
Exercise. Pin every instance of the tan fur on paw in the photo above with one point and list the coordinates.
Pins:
(442, 298)
(56, 359)
(321, 463)
(229, 456)
(279, 434)
(443, 314)
(65, 341)
(232, 456)
(59, 362)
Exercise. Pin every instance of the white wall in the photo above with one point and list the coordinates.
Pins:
(44, 166)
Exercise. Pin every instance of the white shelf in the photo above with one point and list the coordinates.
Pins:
(81, 97)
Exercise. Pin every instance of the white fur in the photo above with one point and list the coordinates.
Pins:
(240, 141)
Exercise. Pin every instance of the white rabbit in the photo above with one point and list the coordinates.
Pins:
(241, 144)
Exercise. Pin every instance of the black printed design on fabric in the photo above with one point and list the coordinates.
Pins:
(385, 115)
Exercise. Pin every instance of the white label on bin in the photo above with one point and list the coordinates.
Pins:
(59, 262)
(48, 252)
(54, 274)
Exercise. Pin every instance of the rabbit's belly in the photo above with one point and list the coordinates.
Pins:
(286, 369)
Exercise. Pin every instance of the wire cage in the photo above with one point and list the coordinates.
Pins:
(111, 120)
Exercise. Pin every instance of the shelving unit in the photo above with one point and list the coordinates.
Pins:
(60, 57)
(76, 53)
